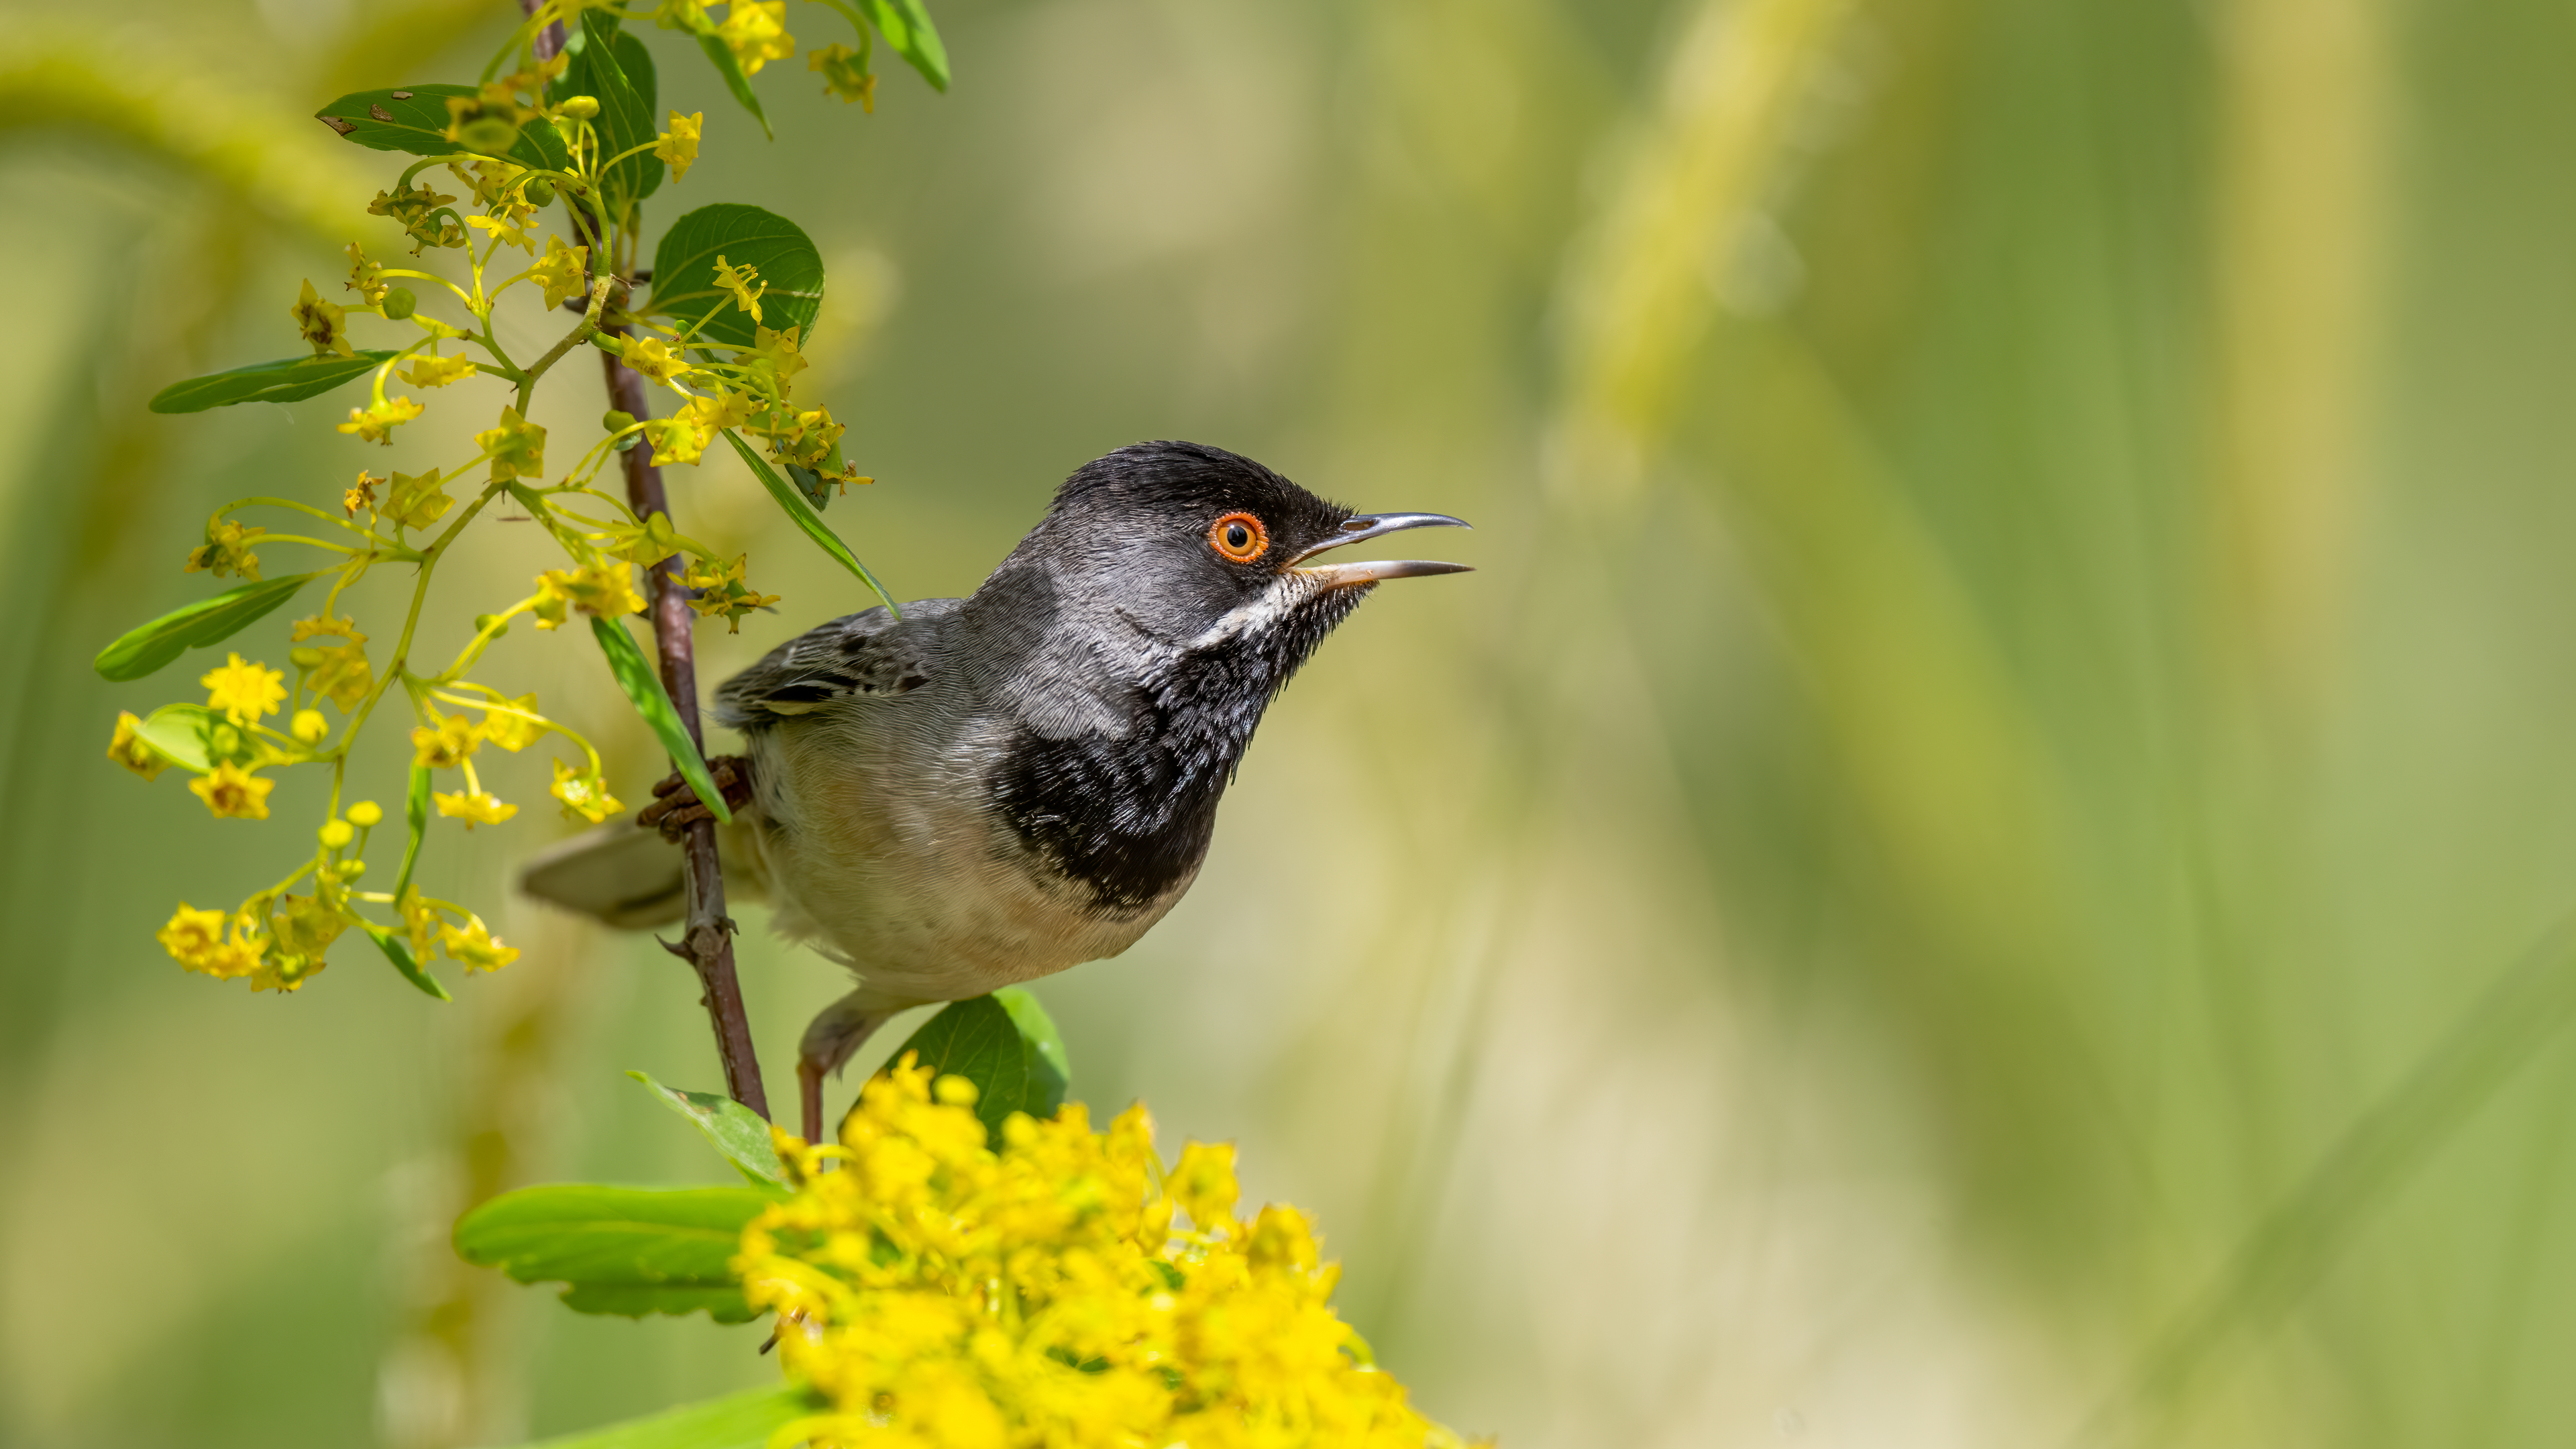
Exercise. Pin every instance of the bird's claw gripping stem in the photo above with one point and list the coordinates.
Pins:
(676, 807)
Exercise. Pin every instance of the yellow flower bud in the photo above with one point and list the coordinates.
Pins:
(580, 107)
(310, 727)
(337, 834)
(365, 814)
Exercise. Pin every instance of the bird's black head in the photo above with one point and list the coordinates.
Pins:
(1169, 592)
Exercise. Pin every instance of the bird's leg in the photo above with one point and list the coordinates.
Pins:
(834, 1037)
(676, 807)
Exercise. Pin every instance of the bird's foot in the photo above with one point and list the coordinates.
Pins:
(676, 807)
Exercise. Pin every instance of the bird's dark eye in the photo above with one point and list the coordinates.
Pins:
(1239, 537)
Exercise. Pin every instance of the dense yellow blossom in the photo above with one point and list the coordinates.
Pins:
(232, 792)
(243, 692)
(719, 590)
(678, 146)
(940, 1293)
(128, 749)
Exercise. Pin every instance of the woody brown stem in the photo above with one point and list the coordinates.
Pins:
(708, 943)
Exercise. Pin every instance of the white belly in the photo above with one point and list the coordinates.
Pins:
(877, 850)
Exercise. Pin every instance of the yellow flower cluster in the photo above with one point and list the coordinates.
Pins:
(940, 1293)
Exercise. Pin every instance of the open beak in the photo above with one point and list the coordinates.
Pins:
(1362, 526)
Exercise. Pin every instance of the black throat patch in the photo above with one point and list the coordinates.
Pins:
(1129, 818)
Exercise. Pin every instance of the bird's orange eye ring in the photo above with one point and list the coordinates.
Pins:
(1239, 537)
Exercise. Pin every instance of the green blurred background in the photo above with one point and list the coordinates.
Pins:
(1974, 867)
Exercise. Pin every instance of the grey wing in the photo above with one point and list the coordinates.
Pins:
(866, 653)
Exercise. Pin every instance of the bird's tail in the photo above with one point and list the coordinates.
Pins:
(621, 873)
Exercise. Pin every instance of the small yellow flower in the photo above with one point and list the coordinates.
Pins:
(563, 271)
(376, 422)
(774, 358)
(756, 32)
(738, 280)
(315, 626)
(476, 946)
(675, 440)
(321, 323)
(678, 146)
(244, 692)
(513, 732)
(309, 727)
(845, 74)
(196, 940)
(444, 742)
(416, 501)
(128, 749)
(606, 590)
(584, 793)
(366, 278)
(808, 438)
(420, 921)
(365, 814)
(477, 807)
(232, 792)
(654, 358)
(514, 225)
(414, 209)
(361, 494)
(720, 590)
(305, 926)
(517, 446)
(431, 370)
(342, 675)
(650, 543)
(226, 551)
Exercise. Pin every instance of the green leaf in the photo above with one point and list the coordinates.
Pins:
(736, 1421)
(721, 57)
(414, 119)
(397, 949)
(614, 69)
(684, 272)
(622, 1250)
(285, 380)
(1006, 1045)
(643, 686)
(177, 733)
(906, 26)
(802, 513)
(147, 647)
(738, 1132)
(415, 815)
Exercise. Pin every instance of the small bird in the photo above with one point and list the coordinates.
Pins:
(992, 789)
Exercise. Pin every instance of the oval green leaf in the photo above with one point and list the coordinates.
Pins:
(1005, 1044)
(622, 1250)
(643, 686)
(793, 504)
(414, 119)
(613, 68)
(147, 647)
(286, 380)
(684, 272)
